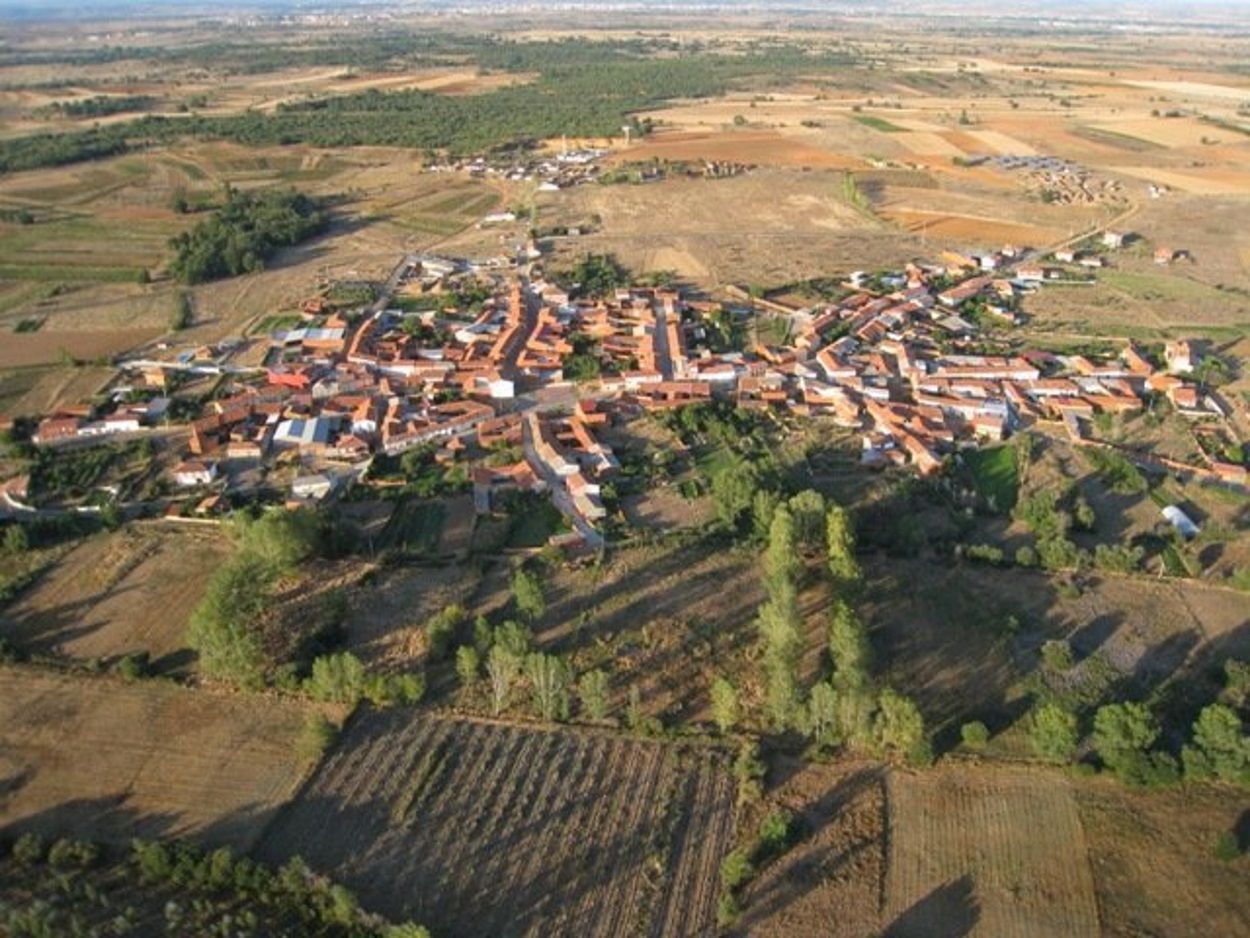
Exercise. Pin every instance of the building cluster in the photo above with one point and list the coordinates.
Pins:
(894, 358)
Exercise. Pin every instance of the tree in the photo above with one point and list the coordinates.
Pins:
(781, 561)
(468, 665)
(1123, 735)
(339, 678)
(848, 646)
(549, 680)
(779, 630)
(763, 504)
(527, 593)
(182, 314)
(1053, 733)
(840, 544)
(724, 697)
(503, 668)
(808, 509)
(16, 540)
(822, 713)
(441, 629)
(749, 770)
(1057, 655)
(1220, 747)
(592, 691)
(315, 737)
(898, 728)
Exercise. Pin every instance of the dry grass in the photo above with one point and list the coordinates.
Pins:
(111, 761)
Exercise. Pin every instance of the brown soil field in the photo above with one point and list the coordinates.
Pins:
(41, 390)
(43, 348)
(127, 591)
(1199, 181)
(992, 852)
(757, 147)
(834, 877)
(477, 828)
(105, 760)
(1151, 855)
(964, 229)
(797, 223)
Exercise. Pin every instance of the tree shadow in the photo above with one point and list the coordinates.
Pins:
(950, 911)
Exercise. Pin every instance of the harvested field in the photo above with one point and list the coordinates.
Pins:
(1203, 181)
(993, 852)
(1151, 855)
(758, 147)
(128, 591)
(478, 828)
(928, 144)
(49, 347)
(1171, 131)
(998, 142)
(837, 870)
(42, 390)
(968, 229)
(109, 761)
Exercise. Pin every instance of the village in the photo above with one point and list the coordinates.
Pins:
(494, 359)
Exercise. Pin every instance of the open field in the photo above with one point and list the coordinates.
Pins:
(836, 873)
(1151, 857)
(110, 761)
(1147, 632)
(987, 852)
(477, 828)
(118, 593)
(41, 390)
(750, 146)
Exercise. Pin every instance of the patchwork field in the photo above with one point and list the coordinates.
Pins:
(987, 852)
(40, 390)
(116, 594)
(477, 829)
(112, 761)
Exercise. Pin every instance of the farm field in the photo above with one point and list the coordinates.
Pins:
(987, 852)
(119, 593)
(43, 389)
(836, 873)
(111, 761)
(477, 828)
(1150, 854)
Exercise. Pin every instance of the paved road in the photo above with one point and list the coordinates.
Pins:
(559, 493)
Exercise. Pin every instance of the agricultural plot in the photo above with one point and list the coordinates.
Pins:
(1152, 861)
(110, 761)
(115, 594)
(476, 828)
(833, 879)
(987, 852)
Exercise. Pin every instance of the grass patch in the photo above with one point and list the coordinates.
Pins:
(1159, 287)
(415, 528)
(878, 123)
(47, 272)
(994, 475)
(1115, 139)
(533, 526)
(28, 325)
(275, 323)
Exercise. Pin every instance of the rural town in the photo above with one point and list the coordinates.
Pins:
(673, 469)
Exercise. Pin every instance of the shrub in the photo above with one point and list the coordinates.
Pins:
(592, 690)
(1057, 655)
(316, 737)
(735, 869)
(29, 849)
(68, 854)
(1226, 847)
(1052, 731)
(441, 629)
(468, 665)
(974, 735)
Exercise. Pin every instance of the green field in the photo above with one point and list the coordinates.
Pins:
(994, 475)
(878, 123)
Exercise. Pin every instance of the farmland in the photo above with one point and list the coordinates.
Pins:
(111, 761)
(117, 594)
(425, 816)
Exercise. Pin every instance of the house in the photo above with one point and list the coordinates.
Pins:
(1114, 239)
(1179, 356)
(312, 488)
(192, 472)
(1164, 255)
(1184, 525)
